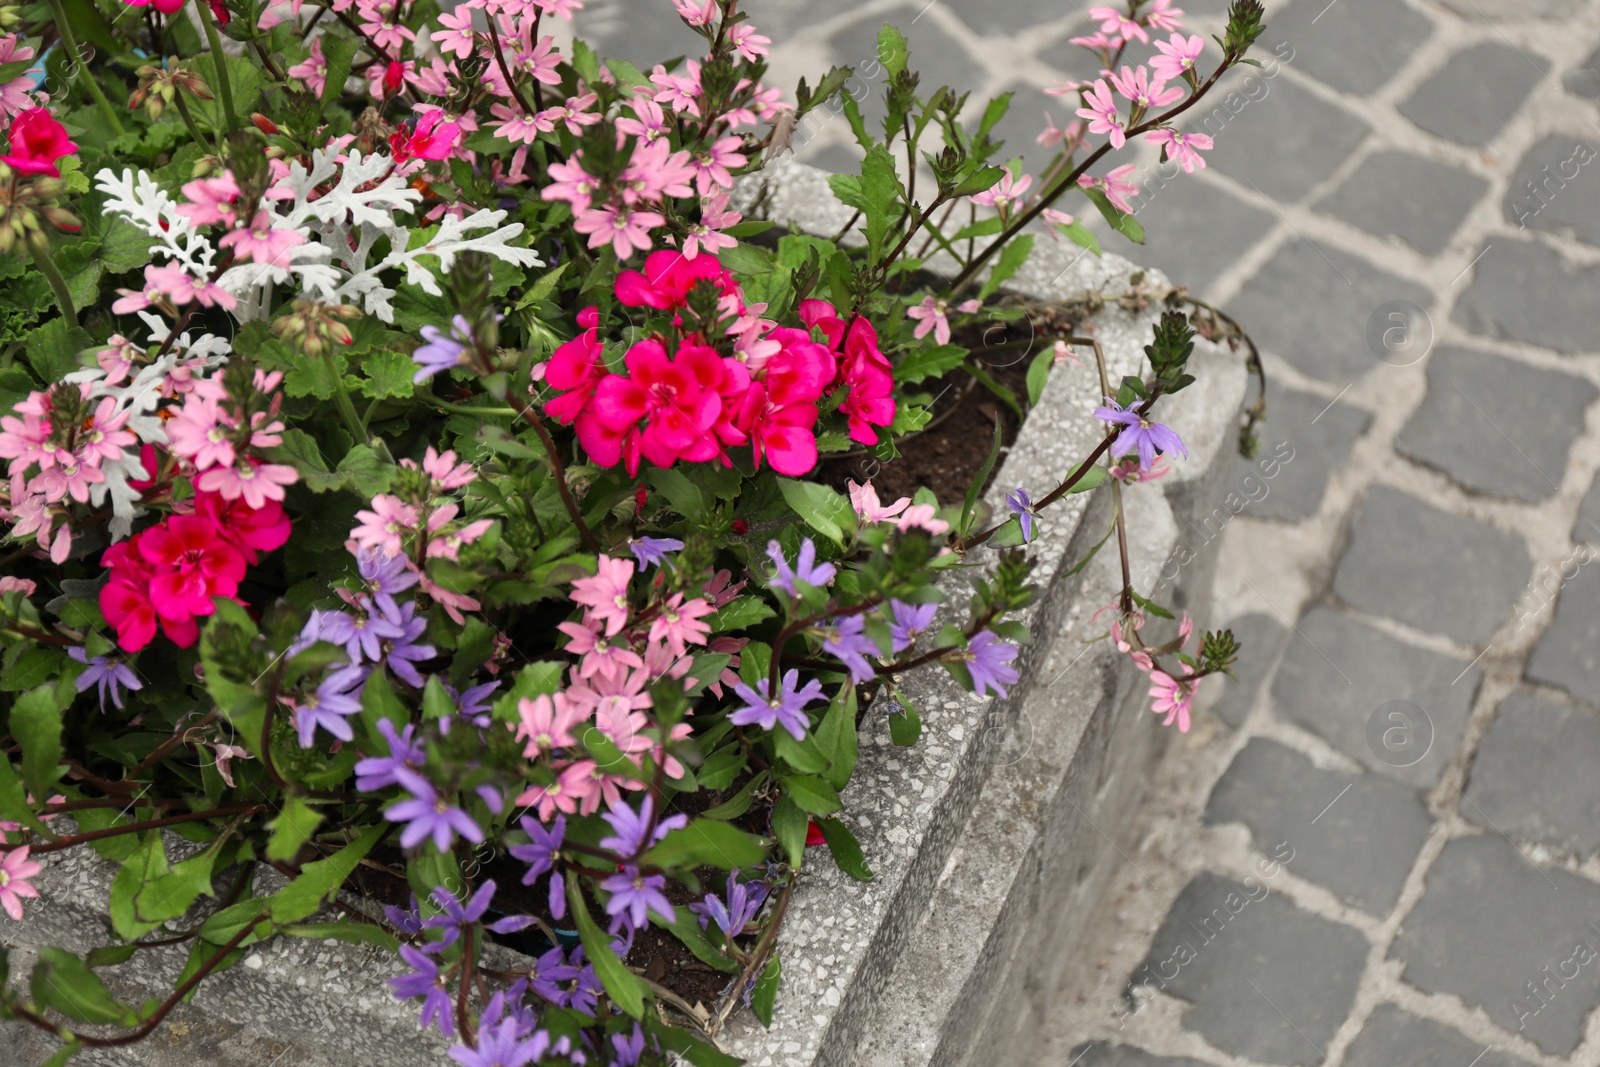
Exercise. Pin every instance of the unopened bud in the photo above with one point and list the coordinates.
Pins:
(264, 124)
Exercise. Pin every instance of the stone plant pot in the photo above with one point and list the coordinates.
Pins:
(990, 839)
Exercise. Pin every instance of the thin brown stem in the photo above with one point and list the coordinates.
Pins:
(558, 471)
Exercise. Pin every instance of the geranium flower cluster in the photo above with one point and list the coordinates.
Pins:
(683, 399)
(168, 574)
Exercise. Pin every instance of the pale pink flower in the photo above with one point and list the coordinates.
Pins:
(254, 483)
(624, 229)
(1055, 135)
(385, 526)
(606, 593)
(1163, 16)
(196, 433)
(314, 71)
(1064, 353)
(747, 42)
(546, 724)
(446, 473)
(696, 14)
(1117, 22)
(1115, 186)
(1004, 193)
(1056, 218)
(210, 200)
(1136, 86)
(713, 167)
(681, 92)
(922, 516)
(15, 871)
(1101, 111)
(706, 235)
(457, 36)
(932, 317)
(864, 499)
(1173, 697)
(1098, 42)
(561, 795)
(261, 243)
(650, 122)
(1183, 147)
(1178, 56)
(677, 622)
(10, 583)
(574, 114)
(226, 754)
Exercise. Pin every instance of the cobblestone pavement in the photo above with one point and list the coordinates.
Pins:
(1379, 845)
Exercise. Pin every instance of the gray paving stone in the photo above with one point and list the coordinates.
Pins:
(1568, 654)
(1512, 10)
(1354, 45)
(1267, 980)
(1315, 306)
(1175, 213)
(1020, 17)
(1100, 1054)
(1533, 777)
(1587, 529)
(1020, 127)
(1475, 94)
(1584, 81)
(1392, 1037)
(1518, 940)
(1308, 439)
(1556, 188)
(1524, 291)
(1495, 425)
(1399, 710)
(1415, 199)
(938, 57)
(1260, 637)
(1283, 142)
(1356, 834)
(1430, 569)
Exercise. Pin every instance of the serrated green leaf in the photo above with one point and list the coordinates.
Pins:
(1123, 223)
(707, 841)
(64, 982)
(929, 361)
(293, 826)
(740, 614)
(320, 879)
(388, 374)
(893, 52)
(1012, 257)
(825, 511)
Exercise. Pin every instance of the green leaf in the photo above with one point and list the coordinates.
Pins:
(905, 726)
(721, 768)
(320, 879)
(979, 180)
(930, 361)
(367, 474)
(624, 987)
(846, 849)
(836, 737)
(825, 511)
(875, 193)
(52, 349)
(707, 841)
(812, 794)
(1092, 478)
(1012, 257)
(295, 823)
(36, 726)
(147, 863)
(1123, 223)
(686, 928)
(789, 827)
(892, 50)
(803, 756)
(388, 374)
(684, 496)
(300, 450)
(765, 994)
(64, 982)
(975, 490)
(1081, 235)
(740, 614)
(346, 930)
(739, 803)
(339, 51)
(1039, 374)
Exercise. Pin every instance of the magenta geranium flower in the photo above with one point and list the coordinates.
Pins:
(37, 141)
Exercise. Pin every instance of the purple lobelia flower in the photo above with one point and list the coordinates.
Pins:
(428, 813)
(1021, 506)
(585, 993)
(630, 827)
(406, 920)
(424, 982)
(401, 650)
(337, 698)
(384, 576)
(633, 896)
(744, 900)
(501, 1047)
(109, 675)
(630, 1049)
(472, 704)
(846, 640)
(458, 916)
(443, 350)
(988, 660)
(1139, 434)
(805, 569)
(909, 622)
(540, 856)
(787, 709)
(548, 973)
(378, 772)
(650, 551)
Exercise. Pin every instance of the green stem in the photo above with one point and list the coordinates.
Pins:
(188, 121)
(347, 409)
(466, 409)
(80, 70)
(39, 248)
(219, 63)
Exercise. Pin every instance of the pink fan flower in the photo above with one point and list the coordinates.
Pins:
(385, 526)
(261, 243)
(251, 481)
(546, 724)
(864, 499)
(677, 622)
(210, 200)
(1184, 147)
(1005, 193)
(1136, 86)
(1163, 16)
(1115, 186)
(922, 517)
(1101, 111)
(457, 36)
(747, 42)
(1173, 697)
(706, 235)
(606, 593)
(1117, 22)
(1178, 56)
(624, 229)
(932, 317)
(314, 71)
(15, 871)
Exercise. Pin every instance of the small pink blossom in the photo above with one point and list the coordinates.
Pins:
(922, 516)
(1178, 56)
(1173, 697)
(385, 526)
(624, 229)
(1116, 187)
(1163, 16)
(864, 499)
(1064, 353)
(1117, 22)
(1135, 85)
(15, 871)
(254, 483)
(677, 622)
(1004, 193)
(1183, 147)
(546, 724)
(261, 243)
(1101, 111)
(606, 593)
(932, 317)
